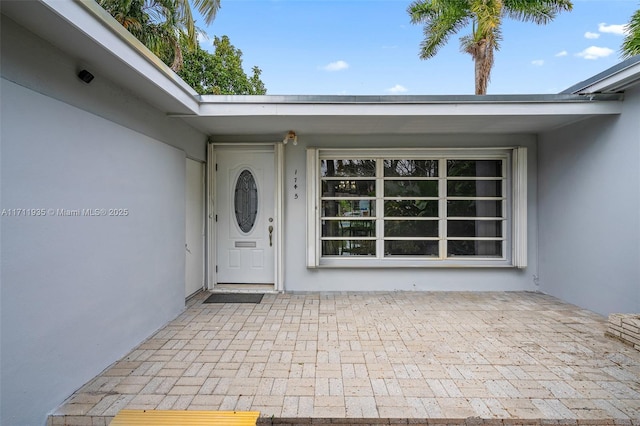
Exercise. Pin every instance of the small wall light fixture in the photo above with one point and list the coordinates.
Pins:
(85, 76)
(291, 137)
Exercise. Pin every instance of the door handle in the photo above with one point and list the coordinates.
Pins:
(270, 236)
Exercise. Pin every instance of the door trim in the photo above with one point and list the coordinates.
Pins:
(278, 151)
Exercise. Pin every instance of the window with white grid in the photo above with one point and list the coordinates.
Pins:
(417, 207)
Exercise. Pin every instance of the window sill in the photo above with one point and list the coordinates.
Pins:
(411, 263)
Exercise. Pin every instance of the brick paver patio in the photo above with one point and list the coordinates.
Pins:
(386, 357)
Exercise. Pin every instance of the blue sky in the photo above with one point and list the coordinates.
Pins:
(369, 47)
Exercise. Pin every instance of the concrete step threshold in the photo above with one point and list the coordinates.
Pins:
(71, 420)
(470, 421)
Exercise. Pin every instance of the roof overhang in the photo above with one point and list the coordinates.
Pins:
(87, 33)
(273, 116)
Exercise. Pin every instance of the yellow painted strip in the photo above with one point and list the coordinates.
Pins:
(186, 418)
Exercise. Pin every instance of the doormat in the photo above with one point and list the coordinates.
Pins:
(234, 298)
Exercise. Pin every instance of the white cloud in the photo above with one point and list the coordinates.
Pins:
(561, 53)
(595, 52)
(538, 62)
(336, 66)
(618, 29)
(591, 35)
(398, 88)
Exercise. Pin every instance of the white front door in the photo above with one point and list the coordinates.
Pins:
(245, 216)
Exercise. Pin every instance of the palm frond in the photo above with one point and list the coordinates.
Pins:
(631, 43)
(441, 19)
(421, 11)
(537, 11)
(208, 9)
(184, 16)
(161, 24)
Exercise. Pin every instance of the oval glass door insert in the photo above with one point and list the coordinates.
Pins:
(246, 201)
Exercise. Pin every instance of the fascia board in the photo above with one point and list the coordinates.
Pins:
(399, 99)
(614, 79)
(98, 25)
(618, 82)
(432, 109)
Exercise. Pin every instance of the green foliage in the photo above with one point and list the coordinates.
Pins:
(164, 26)
(221, 72)
(167, 28)
(631, 44)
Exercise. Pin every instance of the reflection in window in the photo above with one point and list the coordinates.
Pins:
(474, 168)
(348, 248)
(348, 208)
(411, 168)
(405, 188)
(411, 248)
(409, 208)
(347, 168)
(348, 188)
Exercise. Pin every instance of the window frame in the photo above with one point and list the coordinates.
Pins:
(514, 192)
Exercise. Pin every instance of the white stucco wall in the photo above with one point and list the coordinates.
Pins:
(33, 62)
(589, 211)
(298, 278)
(77, 293)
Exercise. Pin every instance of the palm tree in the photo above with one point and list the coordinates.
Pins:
(161, 24)
(441, 18)
(631, 44)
